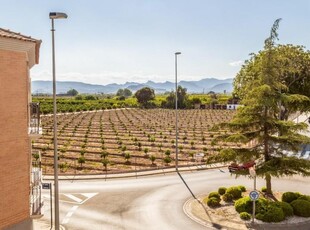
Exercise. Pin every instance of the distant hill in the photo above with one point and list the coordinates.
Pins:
(204, 85)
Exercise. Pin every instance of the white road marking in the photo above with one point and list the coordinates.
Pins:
(69, 214)
(83, 197)
(73, 197)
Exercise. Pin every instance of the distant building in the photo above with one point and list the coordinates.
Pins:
(232, 106)
(20, 123)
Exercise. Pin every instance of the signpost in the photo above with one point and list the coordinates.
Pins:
(254, 195)
(49, 186)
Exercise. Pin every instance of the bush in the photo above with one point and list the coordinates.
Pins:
(242, 188)
(245, 216)
(222, 190)
(286, 207)
(244, 205)
(271, 213)
(213, 202)
(215, 195)
(227, 197)
(288, 197)
(264, 189)
(235, 192)
(261, 204)
(304, 197)
(301, 207)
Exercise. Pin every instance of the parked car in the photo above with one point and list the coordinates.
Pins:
(237, 167)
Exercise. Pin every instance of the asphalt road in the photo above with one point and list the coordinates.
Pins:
(154, 202)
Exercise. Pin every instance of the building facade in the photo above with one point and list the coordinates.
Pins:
(18, 54)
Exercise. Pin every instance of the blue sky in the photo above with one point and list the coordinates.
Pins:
(107, 41)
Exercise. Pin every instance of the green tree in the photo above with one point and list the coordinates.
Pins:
(124, 92)
(120, 92)
(183, 101)
(81, 161)
(127, 157)
(127, 93)
(167, 160)
(72, 92)
(105, 162)
(290, 66)
(152, 159)
(144, 96)
(257, 124)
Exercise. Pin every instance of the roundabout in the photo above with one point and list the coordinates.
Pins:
(146, 202)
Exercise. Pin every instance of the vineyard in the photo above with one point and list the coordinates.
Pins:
(118, 140)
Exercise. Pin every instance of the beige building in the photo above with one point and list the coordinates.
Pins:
(19, 122)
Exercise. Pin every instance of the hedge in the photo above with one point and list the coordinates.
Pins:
(215, 195)
(272, 213)
(235, 192)
(288, 197)
(222, 190)
(301, 207)
(286, 207)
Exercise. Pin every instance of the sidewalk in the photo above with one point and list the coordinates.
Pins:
(134, 174)
(39, 224)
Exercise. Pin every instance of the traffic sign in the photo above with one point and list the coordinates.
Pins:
(46, 185)
(254, 195)
(252, 171)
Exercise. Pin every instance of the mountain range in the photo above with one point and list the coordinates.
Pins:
(202, 86)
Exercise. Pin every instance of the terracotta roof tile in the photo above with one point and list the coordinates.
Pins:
(11, 34)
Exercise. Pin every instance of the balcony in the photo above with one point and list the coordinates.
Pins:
(35, 129)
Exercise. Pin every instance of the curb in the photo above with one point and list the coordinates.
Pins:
(206, 223)
(303, 225)
(132, 174)
(191, 216)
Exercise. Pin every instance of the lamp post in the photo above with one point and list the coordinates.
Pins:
(176, 112)
(52, 16)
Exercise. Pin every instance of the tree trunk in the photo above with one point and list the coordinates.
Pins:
(268, 183)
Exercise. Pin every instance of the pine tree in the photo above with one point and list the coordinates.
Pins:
(265, 137)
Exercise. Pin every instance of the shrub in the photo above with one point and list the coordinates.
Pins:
(167, 160)
(244, 205)
(213, 202)
(261, 204)
(286, 207)
(235, 192)
(264, 189)
(222, 190)
(301, 207)
(271, 213)
(227, 197)
(245, 216)
(242, 188)
(288, 197)
(215, 195)
(304, 197)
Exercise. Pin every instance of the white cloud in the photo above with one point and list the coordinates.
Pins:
(236, 63)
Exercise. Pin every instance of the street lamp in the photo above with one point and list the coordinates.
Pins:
(52, 16)
(176, 112)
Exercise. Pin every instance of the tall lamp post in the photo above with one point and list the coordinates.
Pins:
(176, 112)
(55, 15)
